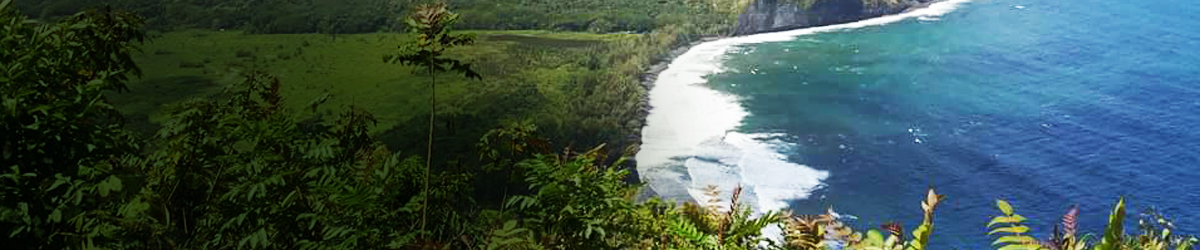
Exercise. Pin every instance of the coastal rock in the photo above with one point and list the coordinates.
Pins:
(775, 15)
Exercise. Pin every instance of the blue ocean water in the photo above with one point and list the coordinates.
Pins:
(1042, 103)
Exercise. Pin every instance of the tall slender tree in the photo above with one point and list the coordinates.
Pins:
(431, 25)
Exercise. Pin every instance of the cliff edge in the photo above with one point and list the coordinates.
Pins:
(775, 15)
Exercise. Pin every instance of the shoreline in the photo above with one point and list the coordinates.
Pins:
(650, 77)
(646, 81)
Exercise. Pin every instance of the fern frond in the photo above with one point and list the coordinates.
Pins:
(709, 215)
(747, 230)
(688, 231)
(734, 227)
(1010, 229)
(1006, 219)
(713, 204)
(804, 232)
(1014, 239)
(756, 225)
(1010, 226)
(700, 215)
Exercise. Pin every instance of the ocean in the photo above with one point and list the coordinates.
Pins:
(1044, 104)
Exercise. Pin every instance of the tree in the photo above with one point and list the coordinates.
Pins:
(247, 173)
(63, 146)
(431, 24)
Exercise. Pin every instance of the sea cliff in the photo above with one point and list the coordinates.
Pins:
(775, 15)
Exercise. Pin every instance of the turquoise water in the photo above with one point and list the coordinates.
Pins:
(1042, 103)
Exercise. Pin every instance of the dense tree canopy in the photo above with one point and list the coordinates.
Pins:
(359, 16)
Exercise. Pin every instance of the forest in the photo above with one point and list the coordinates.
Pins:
(122, 130)
(365, 16)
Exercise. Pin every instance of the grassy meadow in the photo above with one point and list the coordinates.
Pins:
(528, 75)
(349, 68)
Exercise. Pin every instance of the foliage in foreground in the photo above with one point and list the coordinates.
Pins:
(431, 24)
(240, 171)
(65, 156)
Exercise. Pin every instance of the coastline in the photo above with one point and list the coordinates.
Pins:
(651, 76)
(647, 80)
(662, 62)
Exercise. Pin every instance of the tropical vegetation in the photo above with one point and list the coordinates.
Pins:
(249, 168)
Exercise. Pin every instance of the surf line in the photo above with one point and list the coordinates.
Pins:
(691, 121)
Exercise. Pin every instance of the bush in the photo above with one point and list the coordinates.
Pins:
(186, 64)
(66, 157)
(242, 53)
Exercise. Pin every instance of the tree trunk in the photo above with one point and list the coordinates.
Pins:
(429, 145)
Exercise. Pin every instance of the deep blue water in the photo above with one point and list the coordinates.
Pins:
(1045, 105)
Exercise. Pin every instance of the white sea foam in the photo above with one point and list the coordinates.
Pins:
(689, 143)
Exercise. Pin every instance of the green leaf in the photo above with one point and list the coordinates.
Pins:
(1014, 239)
(4, 5)
(874, 238)
(1020, 247)
(1004, 207)
(16, 231)
(287, 199)
(114, 183)
(1016, 218)
(1015, 230)
(59, 181)
(510, 225)
(56, 216)
(1115, 230)
(1186, 244)
(103, 189)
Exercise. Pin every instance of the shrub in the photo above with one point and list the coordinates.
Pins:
(242, 53)
(187, 64)
(65, 153)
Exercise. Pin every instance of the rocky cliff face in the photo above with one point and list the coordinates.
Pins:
(776, 15)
